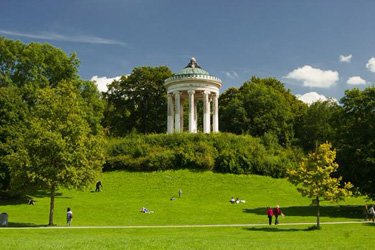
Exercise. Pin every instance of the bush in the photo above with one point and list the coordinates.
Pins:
(223, 152)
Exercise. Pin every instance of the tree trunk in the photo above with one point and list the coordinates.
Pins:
(52, 206)
(318, 214)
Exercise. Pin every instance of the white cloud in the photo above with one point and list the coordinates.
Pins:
(313, 77)
(66, 38)
(371, 64)
(231, 74)
(356, 80)
(102, 82)
(345, 59)
(312, 97)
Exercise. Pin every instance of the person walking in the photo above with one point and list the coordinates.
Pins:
(69, 216)
(276, 213)
(269, 214)
(371, 213)
(98, 186)
(180, 193)
(365, 212)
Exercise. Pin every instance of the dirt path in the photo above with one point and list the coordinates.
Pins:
(188, 226)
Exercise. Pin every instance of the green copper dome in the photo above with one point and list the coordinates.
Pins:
(192, 72)
(192, 69)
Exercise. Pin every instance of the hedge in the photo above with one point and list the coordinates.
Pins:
(222, 152)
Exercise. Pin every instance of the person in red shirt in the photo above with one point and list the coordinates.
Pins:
(277, 212)
(269, 214)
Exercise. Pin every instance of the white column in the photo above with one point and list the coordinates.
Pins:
(215, 125)
(170, 121)
(181, 115)
(206, 112)
(177, 125)
(196, 116)
(191, 111)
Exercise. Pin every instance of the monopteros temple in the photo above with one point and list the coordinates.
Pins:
(193, 84)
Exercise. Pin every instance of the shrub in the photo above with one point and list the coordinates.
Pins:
(223, 152)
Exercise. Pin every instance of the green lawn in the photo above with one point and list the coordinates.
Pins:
(205, 200)
(353, 236)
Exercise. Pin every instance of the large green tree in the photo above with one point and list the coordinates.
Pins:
(24, 68)
(313, 178)
(355, 139)
(58, 147)
(50, 132)
(13, 112)
(261, 106)
(137, 102)
(34, 65)
(232, 114)
(318, 124)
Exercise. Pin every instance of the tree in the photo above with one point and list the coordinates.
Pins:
(13, 112)
(313, 177)
(25, 68)
(34, 65)
(318, 124)
(137, 102)
(58, 147)
(355, 140)
(261, 106)
(232, 115)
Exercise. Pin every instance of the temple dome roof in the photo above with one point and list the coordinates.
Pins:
(193, 69)
(192, 77)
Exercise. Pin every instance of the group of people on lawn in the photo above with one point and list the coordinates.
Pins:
(237, 200)
(369, 213)
(274, 212)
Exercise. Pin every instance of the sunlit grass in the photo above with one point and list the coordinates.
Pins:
(205, 200)
(353, 236)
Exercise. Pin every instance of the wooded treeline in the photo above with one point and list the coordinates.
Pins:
(32, 74)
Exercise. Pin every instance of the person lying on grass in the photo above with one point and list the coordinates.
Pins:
(146, 211)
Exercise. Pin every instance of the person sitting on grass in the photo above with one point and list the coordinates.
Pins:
(238, 200)
(146, 211)
(232, 200)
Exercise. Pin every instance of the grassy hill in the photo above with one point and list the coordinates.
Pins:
(205, 200)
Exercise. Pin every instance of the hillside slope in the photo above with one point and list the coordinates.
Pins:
(205, 200)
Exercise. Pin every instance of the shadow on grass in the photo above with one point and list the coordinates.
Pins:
(24, 224)
(42, 194)
(351, 212)
(15, 198)
(278, 229)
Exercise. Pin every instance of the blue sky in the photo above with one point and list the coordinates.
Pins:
(298, 42)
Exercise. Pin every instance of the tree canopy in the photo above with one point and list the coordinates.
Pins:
(34, 65)
(355, 140)
(261, 106)
(318, 124)
(137, 102)
(24, 68)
